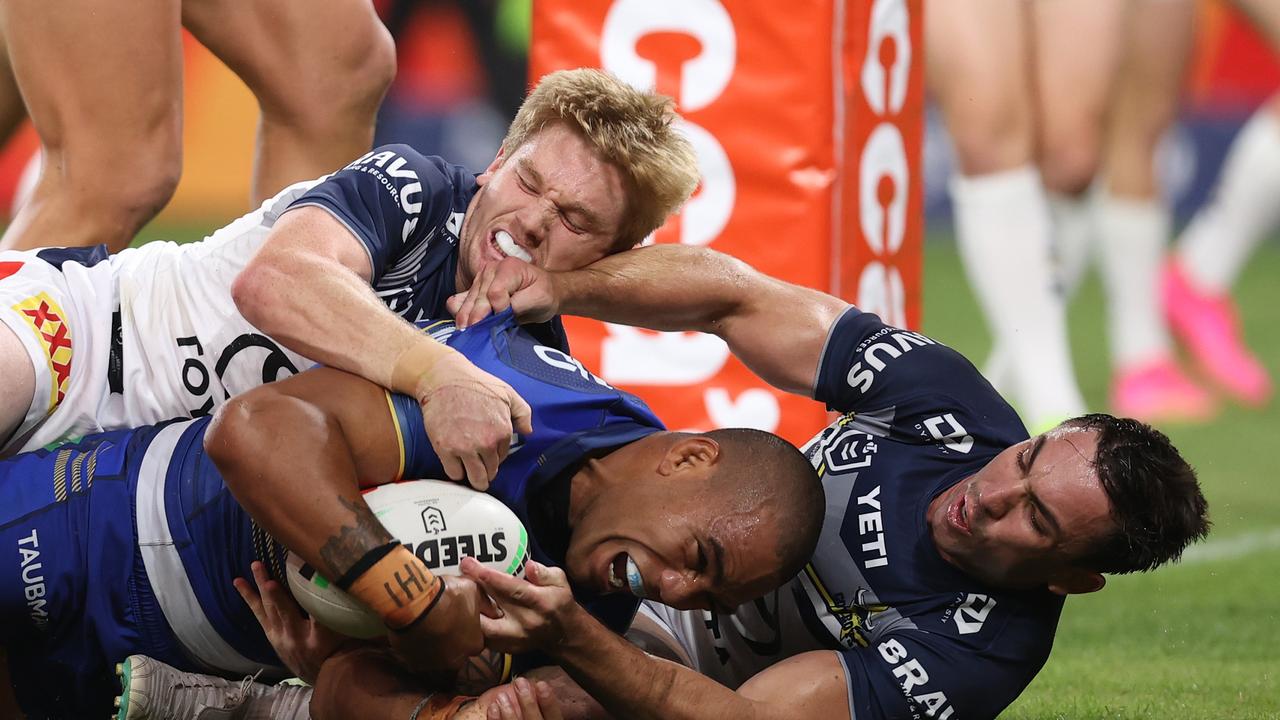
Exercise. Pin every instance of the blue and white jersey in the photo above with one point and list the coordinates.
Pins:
(127, 542)
(407, 210)
(153, 332)
(917, 637)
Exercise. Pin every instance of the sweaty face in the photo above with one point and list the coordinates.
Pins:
(677, 548)
(553, 202)
(1020, 520)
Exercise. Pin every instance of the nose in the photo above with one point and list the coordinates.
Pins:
(998, 501)
(535, 222)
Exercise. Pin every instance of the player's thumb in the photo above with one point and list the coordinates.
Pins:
(521, 415)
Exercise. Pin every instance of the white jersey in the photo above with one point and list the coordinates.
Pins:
(185, 347)
(152, 333)
(140, 337)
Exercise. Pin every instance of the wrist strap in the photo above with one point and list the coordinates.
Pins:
(416, 361)
(398, 587)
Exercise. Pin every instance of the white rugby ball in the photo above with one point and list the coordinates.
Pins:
(440, 522)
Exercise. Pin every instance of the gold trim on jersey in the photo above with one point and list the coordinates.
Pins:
(395, 423)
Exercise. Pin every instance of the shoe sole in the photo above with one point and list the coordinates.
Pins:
(124, 671)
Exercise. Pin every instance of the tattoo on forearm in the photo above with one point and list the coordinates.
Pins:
(343, 550)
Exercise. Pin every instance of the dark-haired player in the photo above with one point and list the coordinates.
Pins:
(127, 542)
(950, 538)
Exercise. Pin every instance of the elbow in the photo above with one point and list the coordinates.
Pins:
(229, 441)
(255, 292)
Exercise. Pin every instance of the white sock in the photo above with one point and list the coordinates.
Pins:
(1073, 234)
(1002, 225)
(1131, 240)
(1244, 208)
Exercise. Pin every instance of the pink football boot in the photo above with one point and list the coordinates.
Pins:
(1210, 329)
(1159, 392)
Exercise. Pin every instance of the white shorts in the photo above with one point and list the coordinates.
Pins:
(64, 320)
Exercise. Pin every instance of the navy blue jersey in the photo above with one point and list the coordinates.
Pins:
(406, 209)
(127, 542)
(918, 638)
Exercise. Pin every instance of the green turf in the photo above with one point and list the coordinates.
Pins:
(1200, 640)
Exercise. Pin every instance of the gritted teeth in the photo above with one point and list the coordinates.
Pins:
(507, 245)
(618, 570)
(634, 580)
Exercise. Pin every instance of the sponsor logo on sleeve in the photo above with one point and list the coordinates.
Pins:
(54, 334)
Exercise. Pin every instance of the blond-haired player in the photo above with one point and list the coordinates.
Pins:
(334, 271)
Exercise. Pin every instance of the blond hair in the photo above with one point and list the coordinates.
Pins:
(628, 128)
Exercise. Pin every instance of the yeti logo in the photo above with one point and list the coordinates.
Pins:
(433, 520)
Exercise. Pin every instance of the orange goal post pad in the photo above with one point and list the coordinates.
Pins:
(807, 118)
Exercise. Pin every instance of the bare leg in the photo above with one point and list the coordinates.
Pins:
(977, 68)
(318, 69)
(1073, 90)
(1133, 221)
(12, 109)
(17, 383)
(106, 105)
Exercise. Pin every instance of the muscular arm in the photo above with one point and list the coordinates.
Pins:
(308, 288)
(776, 328)
(296, 453)
(632, 684)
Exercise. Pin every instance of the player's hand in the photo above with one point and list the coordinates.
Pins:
(450, 633)
(513, 283)
(469, 415)
(536, 611)
(301, 643)
(521, 700)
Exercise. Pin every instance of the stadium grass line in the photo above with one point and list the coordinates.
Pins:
(1230, 548)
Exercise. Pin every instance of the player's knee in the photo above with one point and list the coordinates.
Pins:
(1069, 167)
(355, 78)
(988, 140)
(124, 185)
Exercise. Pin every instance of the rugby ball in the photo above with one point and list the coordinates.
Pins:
(440, 522)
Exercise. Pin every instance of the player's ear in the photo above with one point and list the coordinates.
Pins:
(689, 453)
(1074, 581)
(498, 159)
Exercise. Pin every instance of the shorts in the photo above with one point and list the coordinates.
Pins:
(60, 304)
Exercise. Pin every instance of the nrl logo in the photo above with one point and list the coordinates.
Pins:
(433, 520)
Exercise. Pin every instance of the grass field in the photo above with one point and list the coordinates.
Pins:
(1196, 640)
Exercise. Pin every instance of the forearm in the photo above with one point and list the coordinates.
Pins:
(320, 309)
(632, 684)
(663, 287)
(776, 328)
(290, 465)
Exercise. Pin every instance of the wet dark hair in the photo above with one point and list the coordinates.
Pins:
(1155, 497)
(762, 464)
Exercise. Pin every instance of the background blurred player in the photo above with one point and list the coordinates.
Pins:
(943, 596)
(985, 61)
(107, 104)
(631, 510)
(1218, 242)
(1132, 219)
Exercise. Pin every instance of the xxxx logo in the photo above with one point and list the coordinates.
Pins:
(50, 326)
